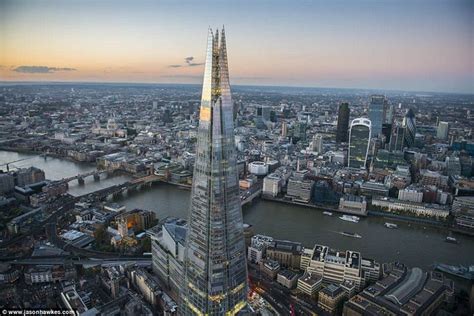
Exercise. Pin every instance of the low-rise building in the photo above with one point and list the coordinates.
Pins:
(287, 253)
(335, 266)
(309, 284)
(287, 278)
(270, 268)
(417, 209)
(330, 298)
(299, 189)
(353, 204)
(402, 291)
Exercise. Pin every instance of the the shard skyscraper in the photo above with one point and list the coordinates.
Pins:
(215, 277)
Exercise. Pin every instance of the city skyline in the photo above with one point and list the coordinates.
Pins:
(419, 46)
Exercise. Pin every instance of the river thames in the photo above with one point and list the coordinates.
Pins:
(412, 244)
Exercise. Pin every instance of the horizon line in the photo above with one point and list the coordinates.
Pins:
(2, 82)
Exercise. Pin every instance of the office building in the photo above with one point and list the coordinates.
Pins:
(299, 189)
(272, 185)
(343, 123)
(335, 266)
(409, 129)
(389, 114)
(463, 211)
(443, 130)
(330, 297)
(412, 194)
(287, 278)
(453, 166)
(388, 159)
(299, 132)
(397, 142)
(309, 284)
(284, 129)
(317, 144)
(359, 140)
(270, 268)
(167, 250)
(258, 245)
(26, 176)
(286, 253)
(377, 113)
(372, 188)
(7, 183)
(215, 271)
(353, 204)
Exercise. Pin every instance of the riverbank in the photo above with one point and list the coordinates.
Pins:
(289, 202)
(409, 219)
(43, 154)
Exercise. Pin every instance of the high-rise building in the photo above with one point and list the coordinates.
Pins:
(409, 125)
(299, 131)
(443, 130)
(317, 143)
(215, 270)
(343, 123)
(284, 129)
(389, 114)
(396, 139)
(359, 140)
(377, 113)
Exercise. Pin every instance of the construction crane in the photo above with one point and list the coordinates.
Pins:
(18, 160)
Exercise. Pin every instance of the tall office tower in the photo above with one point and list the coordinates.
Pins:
(377, 113)
(443, 130)
(409, 125)
(284, 129)
(397, 137)
(387, 132)
(343, 123)
(359, 140)
(389, 114)
(215, 270)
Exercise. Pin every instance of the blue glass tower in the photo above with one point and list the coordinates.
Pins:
(377, 114)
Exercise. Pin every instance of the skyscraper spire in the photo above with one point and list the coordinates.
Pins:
(215, 271)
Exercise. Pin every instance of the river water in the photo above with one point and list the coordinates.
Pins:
(412, 244)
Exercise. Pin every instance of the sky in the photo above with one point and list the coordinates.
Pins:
(417, 45)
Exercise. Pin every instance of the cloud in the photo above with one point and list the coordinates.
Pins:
(40, 69)
(188, 62)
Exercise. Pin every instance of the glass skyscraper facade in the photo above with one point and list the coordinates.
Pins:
(409, 124)
(359, 140)
(377, 113)
(343, 123)
(215, 270)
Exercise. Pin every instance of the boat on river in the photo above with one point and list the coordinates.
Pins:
(350, 218)
(391, 225)
(348, 234)
(451, 240)
(327, 213)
